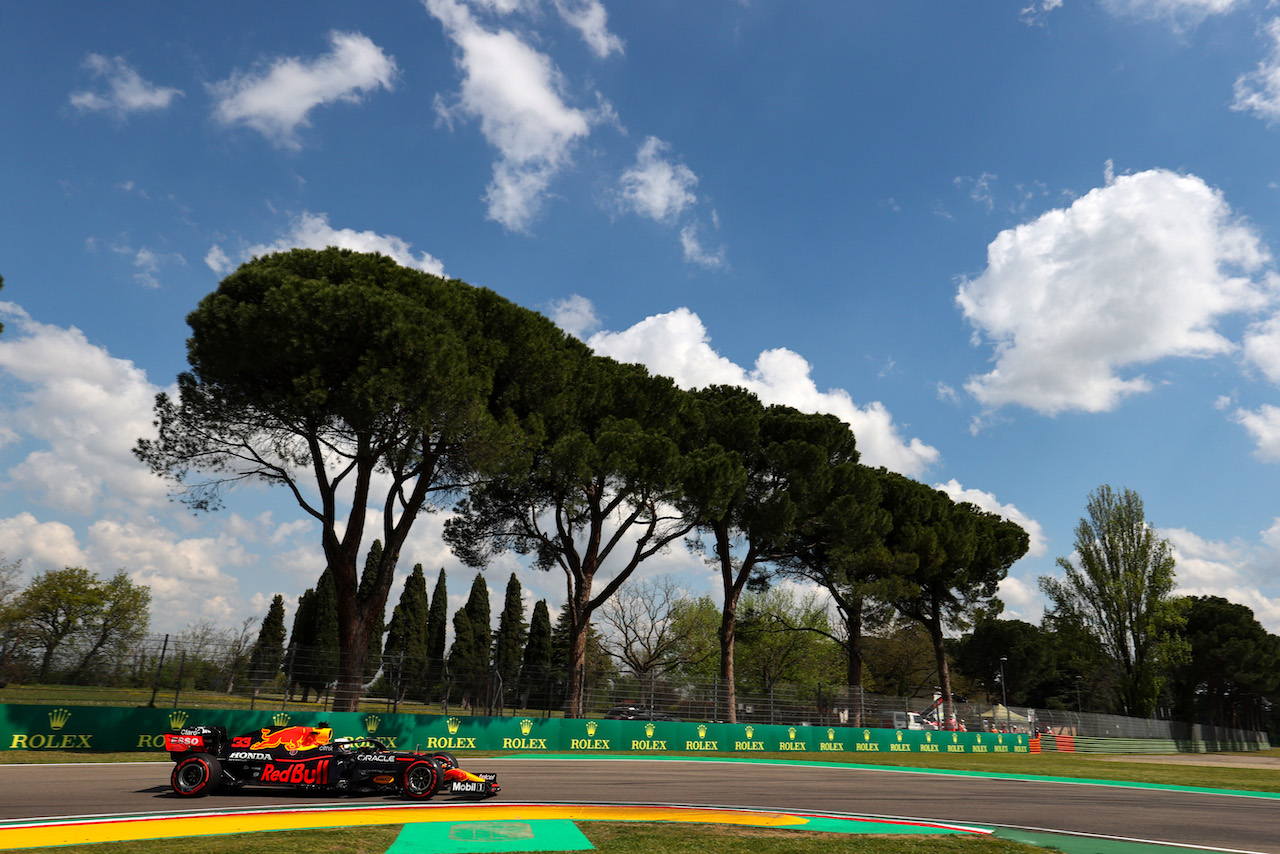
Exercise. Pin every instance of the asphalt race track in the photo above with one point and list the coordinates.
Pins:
(1221, 821)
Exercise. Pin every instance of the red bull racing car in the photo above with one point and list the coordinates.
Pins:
(309, 758)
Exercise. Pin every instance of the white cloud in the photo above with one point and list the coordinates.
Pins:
(148, 262)
(126, 92)
(1264, 426)
(677, 345)
(217, 260)
(41, 545)
(1180, 13)
(656, 187)
(575, 315)
(1132, 272)
(85, 409)
(1258, 91)
(1262, 347)
(1038, 545)
(1022, 600)
(592, 21)
(312, 231)
(696, 253)
(515, 93)
(275, 101)
(979, 189)
(1240, 572)
(1189, 11)
(506, 7)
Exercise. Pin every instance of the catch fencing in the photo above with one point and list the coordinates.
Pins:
(168, 672)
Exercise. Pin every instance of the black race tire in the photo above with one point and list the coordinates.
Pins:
(448, 760)
(195, 776)
(421, 779)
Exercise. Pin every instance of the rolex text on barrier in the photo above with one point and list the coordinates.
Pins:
(95, 728)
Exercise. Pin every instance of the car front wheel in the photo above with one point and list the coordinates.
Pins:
(421, 779)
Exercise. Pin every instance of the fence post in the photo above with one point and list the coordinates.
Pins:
(288, 678)
(155, 685)
(182, 664)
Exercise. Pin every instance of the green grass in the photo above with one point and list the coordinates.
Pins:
(607, 837)
(89, 695)
(1071, 765)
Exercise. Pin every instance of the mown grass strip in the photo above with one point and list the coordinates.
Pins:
(606, 837)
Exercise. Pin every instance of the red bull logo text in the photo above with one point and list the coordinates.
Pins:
(297, 773)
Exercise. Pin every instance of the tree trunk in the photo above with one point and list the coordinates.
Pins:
(944, 674)
(728, 620)
(853, 651)
(733, 584)
(579, 622)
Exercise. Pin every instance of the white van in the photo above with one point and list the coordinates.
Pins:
(902, 720)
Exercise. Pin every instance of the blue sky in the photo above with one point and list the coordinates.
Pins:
(1025, 248)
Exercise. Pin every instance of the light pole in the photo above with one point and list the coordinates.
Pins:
(1004, 695)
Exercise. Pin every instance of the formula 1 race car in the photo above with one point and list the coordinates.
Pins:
(304, 757)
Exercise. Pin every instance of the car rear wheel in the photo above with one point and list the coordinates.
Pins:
(195, 775)
(421, 779)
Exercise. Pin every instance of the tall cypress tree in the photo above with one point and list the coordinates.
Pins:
(406, 648)
(437, 627)
(268, 651)
(472, 642)
(535, 669)
(477, 608)
(368, 578)
(462, 656)
(314, 644)
(508, 647)
(300, 641)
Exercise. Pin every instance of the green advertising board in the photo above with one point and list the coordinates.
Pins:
(94, 728)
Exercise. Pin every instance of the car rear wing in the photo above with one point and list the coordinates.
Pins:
(198, 739)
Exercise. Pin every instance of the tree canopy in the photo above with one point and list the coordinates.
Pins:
(75, 620)
(1121, 590)
(599, 493)
(1231, 664)
(764, 478)
(948, 558)
(353, 383)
